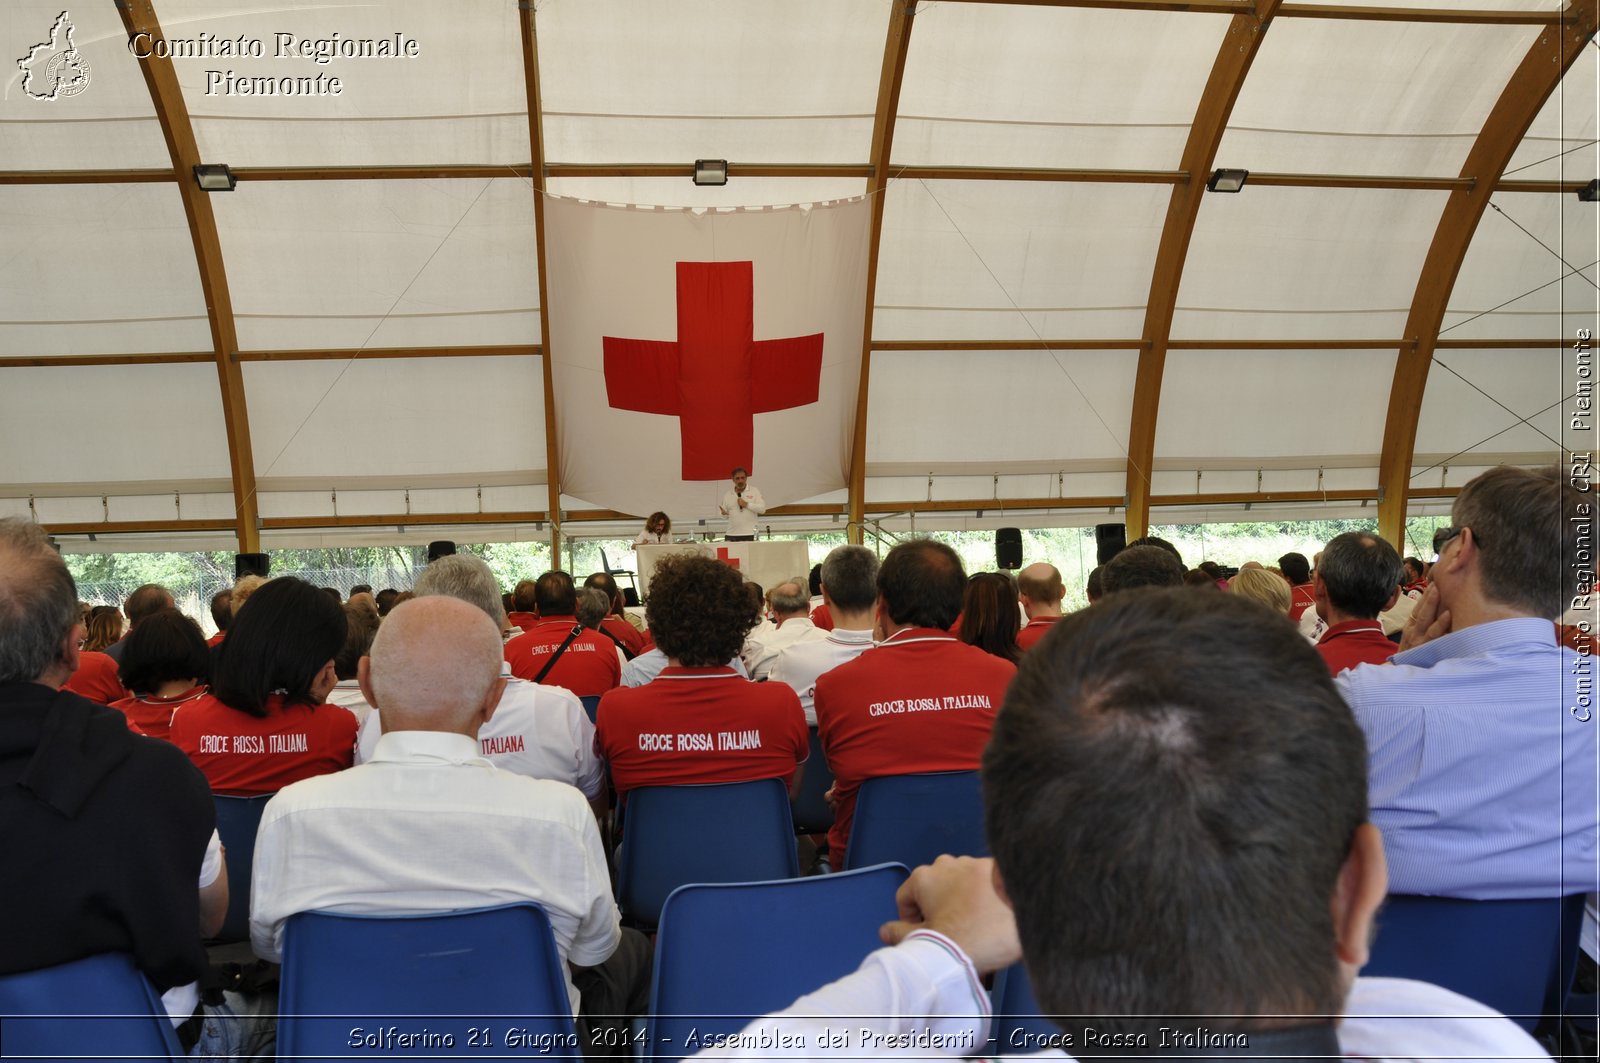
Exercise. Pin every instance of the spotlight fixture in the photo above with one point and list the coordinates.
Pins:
(1227, 180)
(1590, 193)
(711, 171)
(215, 177)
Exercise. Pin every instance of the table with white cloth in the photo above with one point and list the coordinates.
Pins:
(768, 562)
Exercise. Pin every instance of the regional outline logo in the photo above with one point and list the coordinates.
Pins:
(66, 71)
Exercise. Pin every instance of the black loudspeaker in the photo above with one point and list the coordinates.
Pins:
(251, 565)
(1109, 541)
(1008, 548)
(440, 548)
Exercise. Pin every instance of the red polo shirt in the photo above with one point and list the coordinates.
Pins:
(919, 701)
(248, 755)
(626, 633)
(96, 678)
(1355, 642)
(700, 725)
(1033, 631)
(522, 620)
(588, 666)
(822, 618)
(1300, 599)
(150, 715)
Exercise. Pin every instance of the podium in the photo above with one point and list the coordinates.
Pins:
(768, 563)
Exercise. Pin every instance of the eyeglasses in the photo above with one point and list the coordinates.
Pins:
(1442, 537)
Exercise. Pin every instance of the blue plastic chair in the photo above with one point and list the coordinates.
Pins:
(238, 819)
(1018, 1027)
(723, 832)
(490, 978)
(591, 703)
(911, 819)
(729, 953)
(103, 1008)
(1517, 956)
(812, 814)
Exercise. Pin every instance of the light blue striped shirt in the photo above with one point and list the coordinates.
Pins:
(1482, 762)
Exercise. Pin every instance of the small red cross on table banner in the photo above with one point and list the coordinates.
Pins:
(722, 555)
(716, 376)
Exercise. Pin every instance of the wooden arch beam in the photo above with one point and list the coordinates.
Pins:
(138, 16)
(896, 45)
(1530, 86)
(1239, 49)
(552, 441)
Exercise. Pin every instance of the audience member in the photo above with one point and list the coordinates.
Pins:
(557, 650)
(1179, 849)
(1160, 543)
(616, 624)
(429, 825)
(820, 617)
(243, 588)
(1262, 586)
(524, 612)
(333, 592)
(263, 725)
(1041, 592)
(1200, 578)
(221, 614)
(700, 721)
(791, 612)
(96, 675)
(1358, 576)
(145, 601)
(849, 590)
(1297, 570)
(1416, 575)
(1145, 565)
(361, 623)
(1480, 734)
(990, 616)
(385, 600)
(105, 628)
(166, 665)
(1094, 584)
(538, 731)
(362, 588)
(108, 831)
(591, 609)
(920, 700)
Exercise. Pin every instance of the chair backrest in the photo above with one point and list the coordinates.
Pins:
(1017, 1022)
(729, 953)
(100, 1008)
(470, 976)
(591, 702)
(911, 819)
(238, 819)
(812, 814)
(1517, 956)
(723, 832)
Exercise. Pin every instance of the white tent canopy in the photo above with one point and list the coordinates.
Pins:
(1065, 327)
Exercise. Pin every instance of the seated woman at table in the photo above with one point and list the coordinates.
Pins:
(264, 724)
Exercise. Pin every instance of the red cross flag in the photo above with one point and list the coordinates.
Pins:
(686, 342)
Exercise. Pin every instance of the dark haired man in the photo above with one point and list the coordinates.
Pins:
(700, 721)
(921, 700)
(147, 600)
(629, 638)
(742, 504)
(221, 615)
(1297, 570)
(1181, 855)
(586, 663)
(1481, 731)
(1144, 565)
(849, 586)
(1358, 577)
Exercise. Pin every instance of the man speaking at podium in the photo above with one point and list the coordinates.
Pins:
(742, 506)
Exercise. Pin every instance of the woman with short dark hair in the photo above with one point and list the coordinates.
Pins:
(991, 616)
(165, 664)
(264, 724)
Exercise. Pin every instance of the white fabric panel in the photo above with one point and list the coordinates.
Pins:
(1271, 399)
(962, 258)
(60, 424)
(98, 269)
(108, 124)
(1344, 96)
(80, 508)
(461, 99)
(408, 416)
(1560, 143)
(1305, 263)
(1507, 268)
(381, 263)
(1457, 416)
(682, 192)
(999, 406)
(1453, 5)
(1243, 480)
(422, 501)
(676, 80)
(1049, 87)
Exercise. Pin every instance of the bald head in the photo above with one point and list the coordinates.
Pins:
(435, 666)
(1041, 589)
